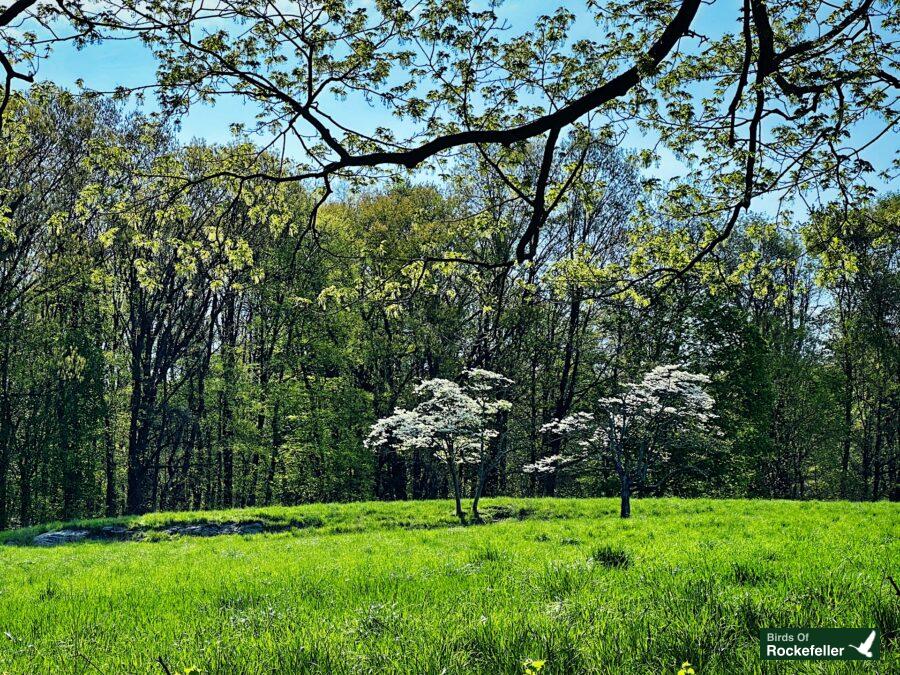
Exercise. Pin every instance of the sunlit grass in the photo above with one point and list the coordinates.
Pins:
(399, 588)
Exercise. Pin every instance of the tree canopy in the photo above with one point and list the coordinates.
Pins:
(570, 205)
(756, 99)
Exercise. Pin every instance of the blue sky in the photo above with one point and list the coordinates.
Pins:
(112, 63)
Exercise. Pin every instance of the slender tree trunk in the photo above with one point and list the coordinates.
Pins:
(479, 489)
(277, 440)
(4, 478)
(625, 506)
(567, 380)
(69, 454)
(458, 497)
(893, 470)
(533, 425)
(5, 436)
(878, 465)
(455, 482)
(25, 475)
(229, 374)
(109, 465)
(866, 456)
(109, 430)
(255, 458)
(191, 483)
(848, 420)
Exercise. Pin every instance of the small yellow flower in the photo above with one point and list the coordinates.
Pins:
(686, 669)
(533, 666)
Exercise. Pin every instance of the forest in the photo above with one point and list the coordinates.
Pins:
(450, 336)
(232, 343)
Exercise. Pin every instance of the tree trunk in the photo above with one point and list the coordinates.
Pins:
(625, 507)
(109, 466)
(458, 498)
(25, 495)
(848, 422)
(454, 479)
(567, 378)
(68, 451)
(277, 440)
(250, 496)
(479, 488)
(229, 391)
(5, 436)
(4, 470)
(142, 402)
(876, 455)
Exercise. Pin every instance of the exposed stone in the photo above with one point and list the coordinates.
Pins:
(111, 532)
(60, 537)
(119, 533)
(214, 530)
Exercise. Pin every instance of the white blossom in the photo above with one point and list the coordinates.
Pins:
(457, 422)
(667, 400)
(454, 420)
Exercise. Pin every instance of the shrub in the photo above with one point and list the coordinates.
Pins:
(611, 557)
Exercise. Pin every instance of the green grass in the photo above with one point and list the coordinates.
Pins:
(399, 588)
(327, 518)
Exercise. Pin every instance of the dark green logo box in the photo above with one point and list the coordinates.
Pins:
(834, 644)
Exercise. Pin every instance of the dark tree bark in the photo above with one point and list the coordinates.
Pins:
(625, 502)
(6, 429)
(226, 399)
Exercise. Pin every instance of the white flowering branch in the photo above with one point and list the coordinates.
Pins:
(634, 428)
(457, 422)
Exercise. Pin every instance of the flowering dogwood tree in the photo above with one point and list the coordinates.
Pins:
(635, 429)
(458, 422)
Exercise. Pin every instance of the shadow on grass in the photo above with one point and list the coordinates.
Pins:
(166, 526)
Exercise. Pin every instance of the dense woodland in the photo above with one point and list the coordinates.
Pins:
(176, 344)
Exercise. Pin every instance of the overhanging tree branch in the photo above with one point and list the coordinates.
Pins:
(564, 116)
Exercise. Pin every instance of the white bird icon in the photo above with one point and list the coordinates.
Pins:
(866, 647)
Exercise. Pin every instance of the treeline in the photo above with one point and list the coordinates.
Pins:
(174, 338)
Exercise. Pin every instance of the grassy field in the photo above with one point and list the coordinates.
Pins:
(397, 587)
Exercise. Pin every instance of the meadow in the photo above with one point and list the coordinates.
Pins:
(401, 587)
